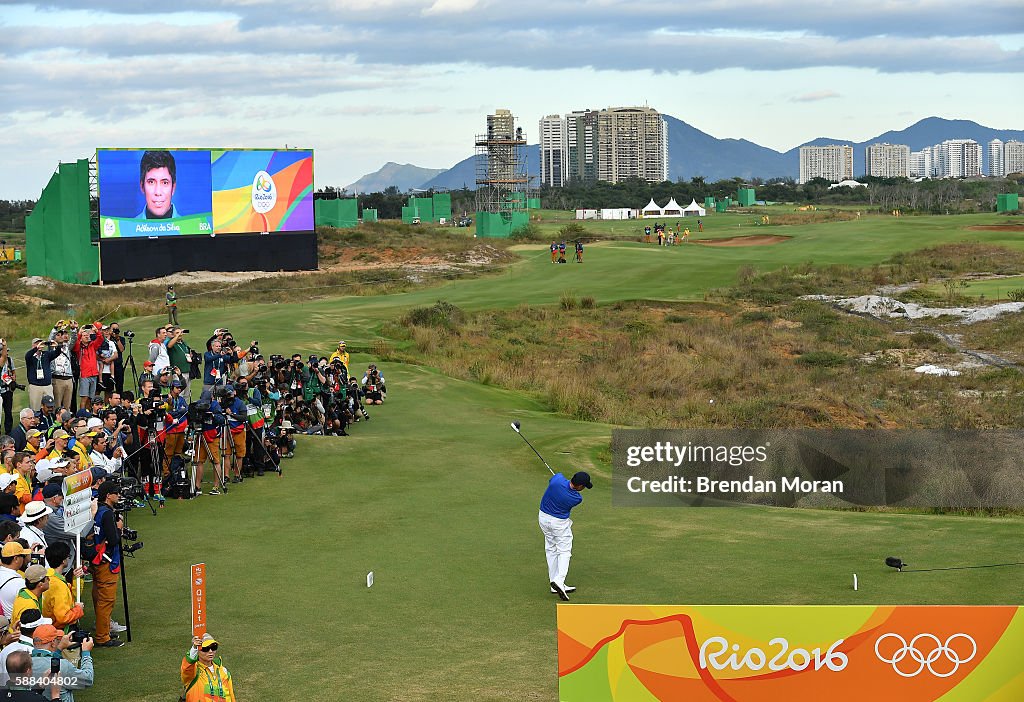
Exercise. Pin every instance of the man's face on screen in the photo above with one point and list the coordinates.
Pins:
(159, 189)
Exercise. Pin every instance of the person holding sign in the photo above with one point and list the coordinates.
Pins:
(203, 673)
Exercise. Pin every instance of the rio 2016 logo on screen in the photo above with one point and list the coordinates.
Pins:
(148, 193)
(264, 193)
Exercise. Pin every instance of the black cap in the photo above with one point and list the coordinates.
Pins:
(108, 487)
(31, 618)
(582, 479)
(52, 489)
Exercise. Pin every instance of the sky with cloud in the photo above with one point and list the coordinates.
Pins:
(369, 81)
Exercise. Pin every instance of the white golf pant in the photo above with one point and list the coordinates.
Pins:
(557, 546)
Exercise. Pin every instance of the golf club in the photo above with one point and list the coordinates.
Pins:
(515, 428)
(898, 564)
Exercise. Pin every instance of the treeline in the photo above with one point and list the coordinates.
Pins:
(928, 196)
(885, 193)
(12, 214)
(389, 203)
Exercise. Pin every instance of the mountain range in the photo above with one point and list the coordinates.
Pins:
(403, 176)
(696, 153)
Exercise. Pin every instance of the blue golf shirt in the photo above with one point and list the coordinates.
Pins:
(559, 498)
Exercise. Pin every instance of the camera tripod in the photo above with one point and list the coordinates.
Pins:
(154, 457)
(130, 361)
(195, 439)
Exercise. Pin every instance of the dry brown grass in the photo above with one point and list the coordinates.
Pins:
(655, 365)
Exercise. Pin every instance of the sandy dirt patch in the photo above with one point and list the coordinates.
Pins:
(415, 260)
(753, 240)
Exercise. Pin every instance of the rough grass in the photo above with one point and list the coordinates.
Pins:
(660, 365)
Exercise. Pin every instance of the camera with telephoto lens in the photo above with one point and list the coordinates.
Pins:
(129, 334)
(129, 549)
(254, 348)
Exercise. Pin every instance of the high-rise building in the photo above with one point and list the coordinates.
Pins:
(1013, 157)
(921, 163)
(632, 142)
(995, 159)
(554, 152)
(833, 162)
(959, 158)
(581, 144)
(887, 160)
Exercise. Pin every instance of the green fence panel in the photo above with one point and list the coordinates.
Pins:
(745, 196)
(57, 241)
(442, 207)
(424, 206)
(342, 214)
(369, 215)
(500, 224)
(35, 230)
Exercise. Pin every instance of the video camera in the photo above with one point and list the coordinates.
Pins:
(199, 413)
(129, 334)
(150, 404)
(221, 392)
(130, 490)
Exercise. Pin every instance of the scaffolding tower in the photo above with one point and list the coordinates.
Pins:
(501, 178)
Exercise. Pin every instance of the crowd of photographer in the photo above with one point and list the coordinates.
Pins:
(141, 442)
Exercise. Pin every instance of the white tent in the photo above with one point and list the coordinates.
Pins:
(672, 209)
(694, 210)
(652, 210)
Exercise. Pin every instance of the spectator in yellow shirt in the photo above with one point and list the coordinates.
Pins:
(60, 444)
(30, 596)
(83, 447)
(23, 465)
(58, 601)
(341, 354)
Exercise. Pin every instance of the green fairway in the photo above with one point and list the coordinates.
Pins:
(992, 289)
(620, 271)
(439, 498)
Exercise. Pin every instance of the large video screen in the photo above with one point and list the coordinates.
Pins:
(166, 192)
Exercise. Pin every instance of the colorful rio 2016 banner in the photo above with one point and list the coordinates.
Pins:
(628, 653)
(161, 192)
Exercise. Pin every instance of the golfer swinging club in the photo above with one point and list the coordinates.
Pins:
(560, 497)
